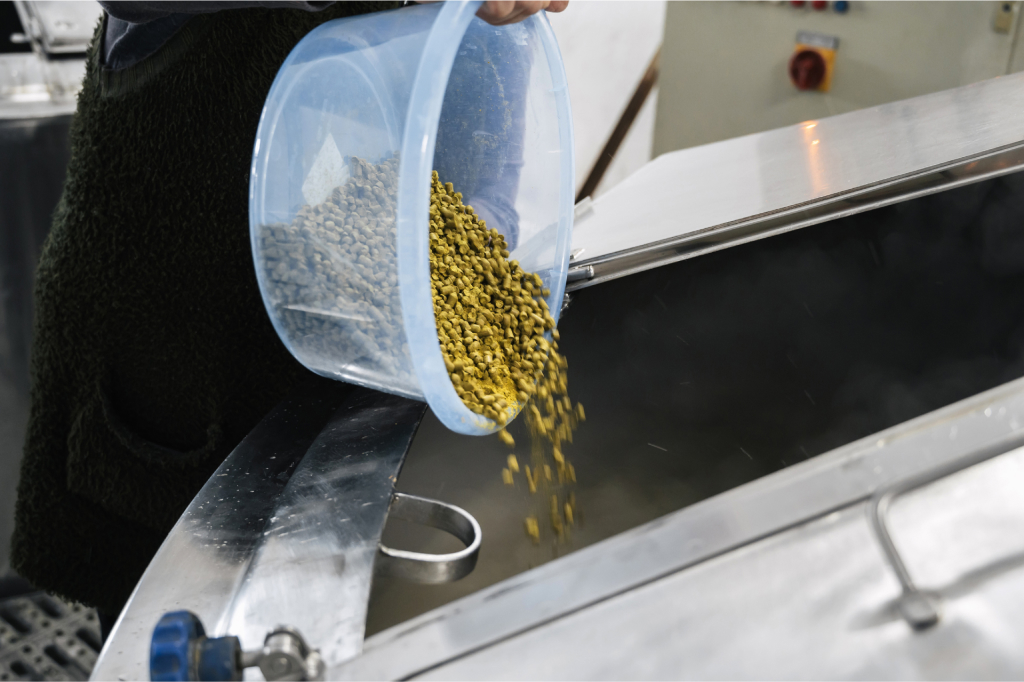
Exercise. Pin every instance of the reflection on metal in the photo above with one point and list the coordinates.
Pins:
(707, 198)
(313, 567)
(431, 568)
(976, 169)
(815, 601)
(294, 541)
(179, 641)
(589, 590)
(286, 531)
(919, 608)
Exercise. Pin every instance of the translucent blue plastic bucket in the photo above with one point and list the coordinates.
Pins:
(358, 116)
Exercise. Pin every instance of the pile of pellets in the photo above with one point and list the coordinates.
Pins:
(332, 276)
(492, 318)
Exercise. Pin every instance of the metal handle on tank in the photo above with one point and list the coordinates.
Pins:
(920, 608)
(431, 568)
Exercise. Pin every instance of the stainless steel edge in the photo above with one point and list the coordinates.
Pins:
(214, 559)
(885, 193)
(815, 601)
(992, 421)
(206, 554)
(314, 565)
(683, 193)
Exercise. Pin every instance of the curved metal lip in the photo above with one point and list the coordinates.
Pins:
(434, 558)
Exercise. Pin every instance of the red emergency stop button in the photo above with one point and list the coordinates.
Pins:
(820, 4)
(807, 69)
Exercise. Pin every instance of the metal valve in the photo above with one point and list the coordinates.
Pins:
(180, 650)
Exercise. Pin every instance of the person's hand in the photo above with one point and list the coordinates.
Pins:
(501, 12)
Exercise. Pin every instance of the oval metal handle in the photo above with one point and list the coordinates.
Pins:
(431, 568)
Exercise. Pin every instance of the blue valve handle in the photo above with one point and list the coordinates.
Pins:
(181, 651)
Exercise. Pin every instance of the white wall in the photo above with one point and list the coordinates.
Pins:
(724, 66)
(607, 45)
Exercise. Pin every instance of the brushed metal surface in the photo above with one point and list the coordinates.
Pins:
(992, 421)
(646, 257)
(285, 531)
(814, 602)
(315, 560)
(702, 191)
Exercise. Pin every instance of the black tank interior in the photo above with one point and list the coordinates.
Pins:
(706, 374)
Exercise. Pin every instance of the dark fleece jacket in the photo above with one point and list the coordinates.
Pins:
(153, 354)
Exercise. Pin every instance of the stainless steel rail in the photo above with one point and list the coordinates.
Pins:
(706, 198)
(929, 181)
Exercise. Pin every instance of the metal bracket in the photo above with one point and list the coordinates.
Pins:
(431, 568)
(921, 609)
(579, 273)
(286, 656)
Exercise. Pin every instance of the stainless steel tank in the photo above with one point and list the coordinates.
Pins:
(801, 459)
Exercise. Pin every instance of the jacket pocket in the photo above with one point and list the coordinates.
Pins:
(129, 475)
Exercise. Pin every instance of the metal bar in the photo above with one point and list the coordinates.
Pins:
(938, 179)
(636, 102)
(920, 609)
(755, 177)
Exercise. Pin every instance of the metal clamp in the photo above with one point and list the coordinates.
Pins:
(431, 568)
(920, 609)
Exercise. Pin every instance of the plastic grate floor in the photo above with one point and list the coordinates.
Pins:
(43, 638)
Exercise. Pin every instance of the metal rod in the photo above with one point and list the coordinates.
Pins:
(919, 609)
(962, 172)
(636, 102)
